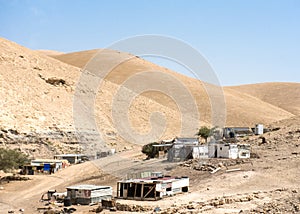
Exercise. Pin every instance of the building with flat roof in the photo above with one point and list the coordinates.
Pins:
(72, 158)
(151, 188)
(86, 194)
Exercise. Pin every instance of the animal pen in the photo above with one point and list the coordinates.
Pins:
(153, 188)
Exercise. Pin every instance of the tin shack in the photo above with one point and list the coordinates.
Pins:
(152, 188)
(86, 194)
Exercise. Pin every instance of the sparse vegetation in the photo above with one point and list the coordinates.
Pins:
(204, 132)
(149, 150)
(11, 159)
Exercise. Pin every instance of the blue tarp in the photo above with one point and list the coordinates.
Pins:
(47, 167)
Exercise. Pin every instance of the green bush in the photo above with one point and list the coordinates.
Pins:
(149, 150)
(11, 159)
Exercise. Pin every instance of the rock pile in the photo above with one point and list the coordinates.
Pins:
(196, 207)
(123, 207)
(212, 164)
(133, 208)
(288, 203)
(282, 201)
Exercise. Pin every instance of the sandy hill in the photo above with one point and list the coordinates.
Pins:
(49, 52)
(282, 94)
(242, 108)
(37, 94)
(37, 100)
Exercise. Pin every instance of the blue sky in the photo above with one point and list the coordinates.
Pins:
(244, 41)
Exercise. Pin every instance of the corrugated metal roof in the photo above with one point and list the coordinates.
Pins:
(162, 145)
(154, 179)
(89, 187)
(46, 161)
(69, 155)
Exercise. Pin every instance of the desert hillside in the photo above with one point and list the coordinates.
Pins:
(284, 95)
(37, 106)
(49, 52)
(37, 93)
(242, 108)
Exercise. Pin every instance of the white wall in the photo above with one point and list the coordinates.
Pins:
(101, 192)
(259, 129)
(183, 182)
(233, 151)
(200, 151)
(222, 151)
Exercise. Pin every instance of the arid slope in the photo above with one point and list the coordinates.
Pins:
(282, 94)
(242, 108)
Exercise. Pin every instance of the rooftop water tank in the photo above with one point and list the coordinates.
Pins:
(259, 129)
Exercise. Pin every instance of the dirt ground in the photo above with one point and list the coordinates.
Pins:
(267, 184)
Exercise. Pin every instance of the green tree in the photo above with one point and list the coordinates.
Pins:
(150, 150)
(204, 132)
(11, 159)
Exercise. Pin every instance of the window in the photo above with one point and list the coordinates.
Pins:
(244, 154)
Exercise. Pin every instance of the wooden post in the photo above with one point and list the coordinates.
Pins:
(118, 185)
(142, 192)
(135, 190)
(155, 192)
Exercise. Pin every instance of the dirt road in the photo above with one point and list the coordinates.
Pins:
(269, 181)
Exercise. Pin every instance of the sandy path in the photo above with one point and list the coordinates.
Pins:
(276, 169)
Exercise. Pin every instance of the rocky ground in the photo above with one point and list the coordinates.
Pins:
(268, 183)
(36, 117)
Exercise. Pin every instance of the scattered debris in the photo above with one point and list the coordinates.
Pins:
(211, 165)
(133, 208)
(107, 204)
(215, 170)
(157, 209)
(289, 203)
(233, 170)
(50, 210)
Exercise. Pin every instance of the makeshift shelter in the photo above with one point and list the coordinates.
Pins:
(223, 150)
(200, 151)
(182, 149)
(244, 150)
(72, 158)
(228, 150)
(38, 166)
(152, 188)
(231, 132)
(86, 194)
(162, 149)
